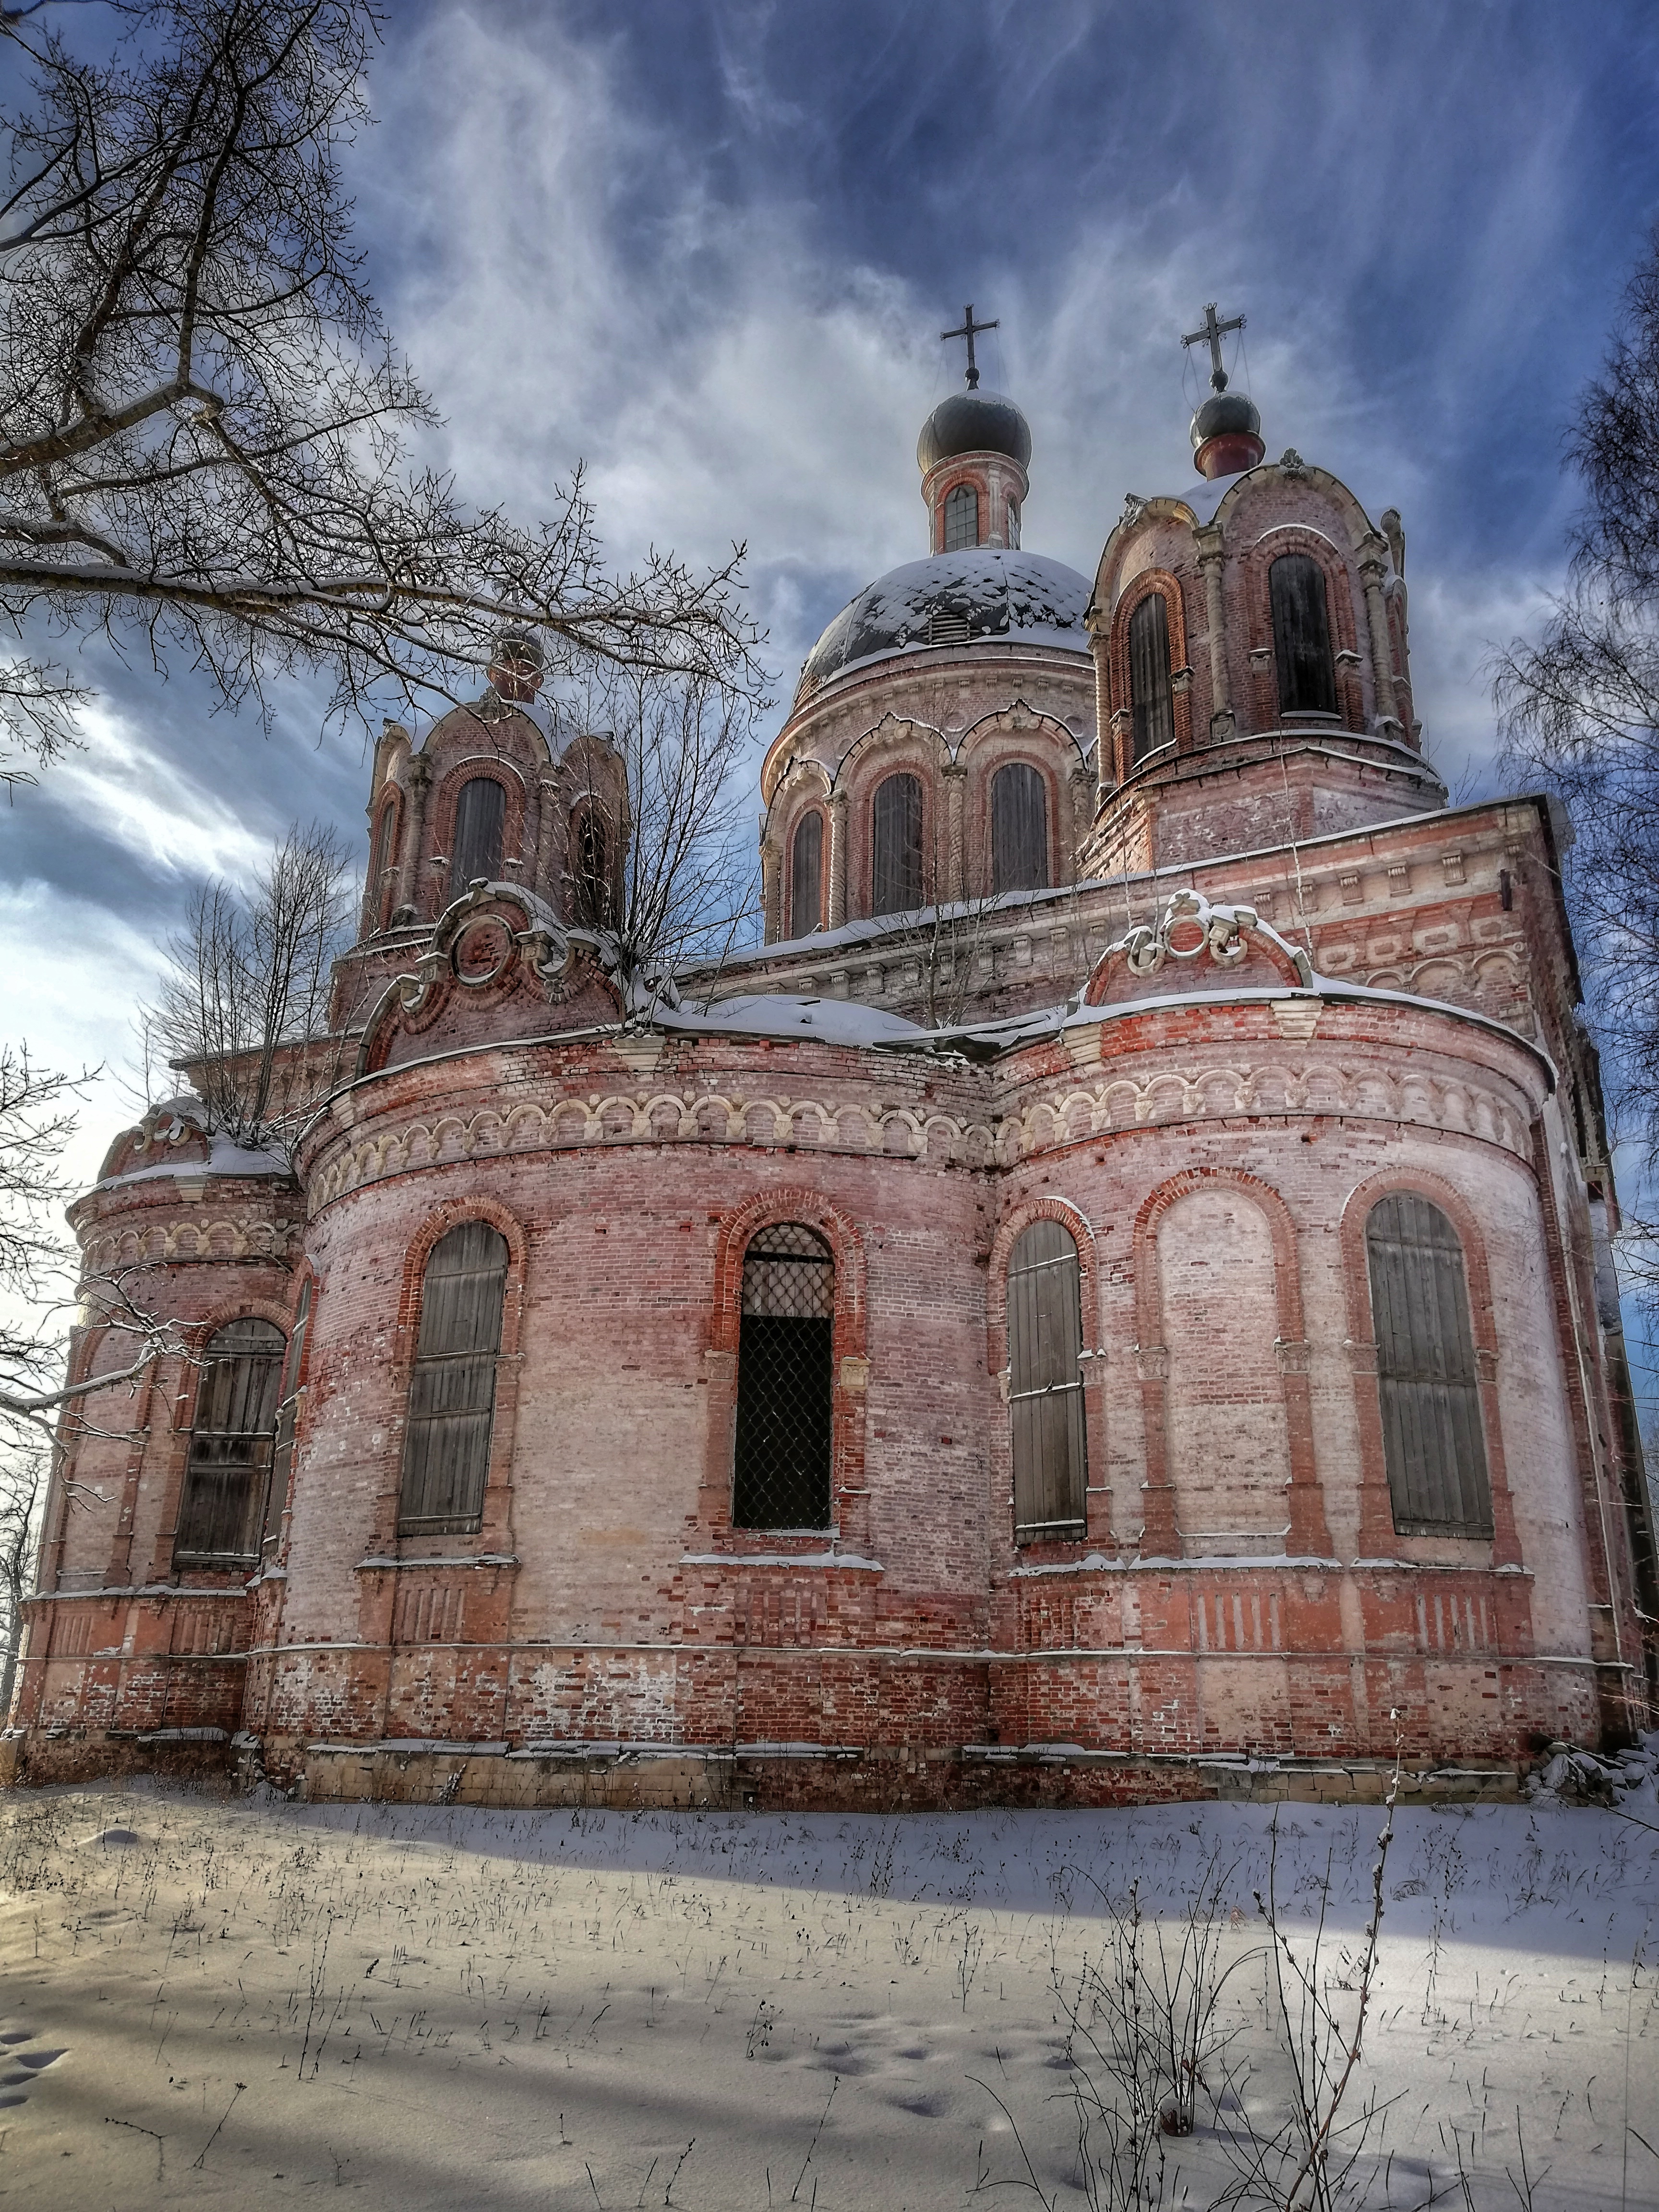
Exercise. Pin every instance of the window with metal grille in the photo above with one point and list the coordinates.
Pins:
(1014, 525)
(1020, 829)
(288, 1411)
(1152, 703)
(1302, 636)
(896, 846)
(1426, 1378)
(785, 1367)
(590, 885)
(229, 1472)
(1045, 1384)
(452, 1393)
(806, 876)
(480, 810)
(960, 518)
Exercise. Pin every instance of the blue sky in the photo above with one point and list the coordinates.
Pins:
(708, 248)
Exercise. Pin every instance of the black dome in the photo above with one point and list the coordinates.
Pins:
(974, 422)
(1226, 413)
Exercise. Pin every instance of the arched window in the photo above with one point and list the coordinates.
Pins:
(480, 810)
(222, 1510)
(1150, 700)
(590, 888)
(1302, 636)
(287, 1412)
(806, 876)
(379, 863)
(452, 1393)
(1019, 830)
(896, 846)
(1013, 525)
(960, 518)
(1426, 1378)
(1045, 1384)
(785, 1367)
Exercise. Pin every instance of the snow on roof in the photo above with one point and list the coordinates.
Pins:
(996, 594)
(777, 1013)
(224, 1158)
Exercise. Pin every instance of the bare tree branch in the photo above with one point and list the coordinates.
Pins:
(203, 422)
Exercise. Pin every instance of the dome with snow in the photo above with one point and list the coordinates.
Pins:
(983, 594)
(974, 422)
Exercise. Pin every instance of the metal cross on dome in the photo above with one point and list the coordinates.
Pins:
(1212, 335)
(970, 330)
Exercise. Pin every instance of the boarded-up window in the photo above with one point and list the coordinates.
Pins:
(479, 812)
(224, 1506)
(1019, 830)
(288, 1413)
(379, 866)
(896, 846)
(452, 1393)
(1152, 706)
(806, 878)
(591, 902)
(785, 1365)
(1302, 636)
(960, 518)
(1427, 1377)
(1045, 1384)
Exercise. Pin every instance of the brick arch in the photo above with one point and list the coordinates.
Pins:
(997, 741)
(849, 1341)
(1376, 1531)
(1019, 1219)
(1298, 537)
(1310, 1533)
(1139, 588)
(895, 748)
(441, 813)
(196, 1335)
(494, 1532)
(378, 897)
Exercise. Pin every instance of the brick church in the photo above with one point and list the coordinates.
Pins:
(1111, 1299)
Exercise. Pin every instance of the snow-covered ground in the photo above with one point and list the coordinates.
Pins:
(238, 2002)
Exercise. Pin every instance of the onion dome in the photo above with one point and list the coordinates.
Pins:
(1226, 436)
(974, 422)
(985, 595)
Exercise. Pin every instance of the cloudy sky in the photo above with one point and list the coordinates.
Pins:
(707, 248)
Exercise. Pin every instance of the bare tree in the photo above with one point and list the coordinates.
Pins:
(667, 782)
(203, 422)
(38, 1269)
(1580, 710)
(243, 1005)
(23, 1483)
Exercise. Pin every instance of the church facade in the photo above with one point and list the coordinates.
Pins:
(1110, 1299)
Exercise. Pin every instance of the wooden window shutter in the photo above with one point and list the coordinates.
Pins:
(1045, 1384)
(786, 1359)
(1302, 636)
(1019, 830)
(451, 1394)
(1427, 1381)
(1151, 698)
(222, 1510)
(895, 856)
(479, 814)
(806, 876)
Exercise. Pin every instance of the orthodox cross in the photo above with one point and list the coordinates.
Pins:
(1212, 335)
(970, 330)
